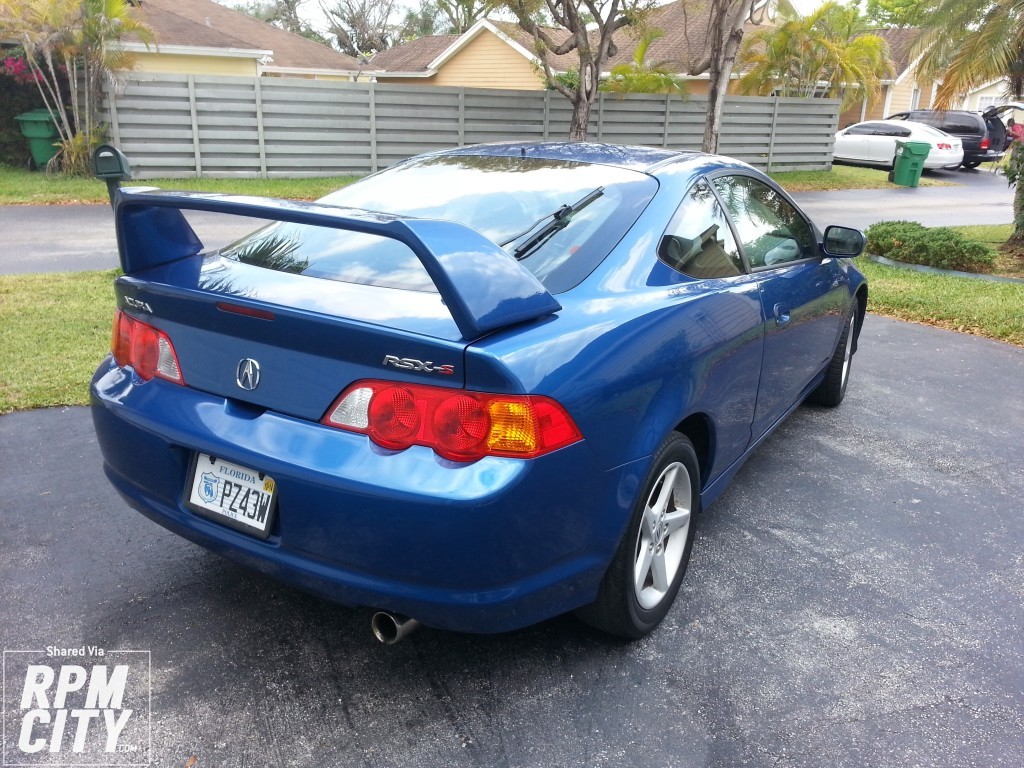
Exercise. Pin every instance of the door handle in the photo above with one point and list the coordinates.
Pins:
(781, 314)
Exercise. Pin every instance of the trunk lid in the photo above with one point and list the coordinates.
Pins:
(308, 336)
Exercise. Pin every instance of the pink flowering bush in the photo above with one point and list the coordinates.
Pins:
(17, 69)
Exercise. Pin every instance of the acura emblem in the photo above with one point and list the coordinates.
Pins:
(248, 376)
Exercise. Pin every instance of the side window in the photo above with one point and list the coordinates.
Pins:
(769, 228)
(698, 241)
(865, 129)
(968, 124)
(894, 130)
(928, 118)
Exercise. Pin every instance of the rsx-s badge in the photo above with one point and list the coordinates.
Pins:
(410, 364)
(248, 375)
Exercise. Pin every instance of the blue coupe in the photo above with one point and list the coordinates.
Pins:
(481, 388)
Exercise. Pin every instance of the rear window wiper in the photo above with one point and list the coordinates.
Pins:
(559, 220)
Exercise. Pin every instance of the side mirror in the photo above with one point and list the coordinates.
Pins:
(110, 164)
(843, 242)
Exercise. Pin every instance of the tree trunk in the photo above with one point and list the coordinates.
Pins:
(580, 122)
(1017, 238)
(584, 98)
(725, 32)
(716, 100)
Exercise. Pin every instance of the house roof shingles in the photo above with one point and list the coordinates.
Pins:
(901, 43)
(205, 23)
(413, 56)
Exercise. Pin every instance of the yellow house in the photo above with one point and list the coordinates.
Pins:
(499, 54)
(490, 54)
(201, 37)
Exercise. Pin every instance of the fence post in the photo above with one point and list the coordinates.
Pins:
(668, 112)
(373, 128)
(771, 135)
(547, 112)
(462, 116)
(196, 146)
(115, 128)
(259, 129)
(600, 115)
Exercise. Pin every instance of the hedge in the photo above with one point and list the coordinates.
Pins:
(939, 247)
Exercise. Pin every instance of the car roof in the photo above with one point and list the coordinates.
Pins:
(617, 155)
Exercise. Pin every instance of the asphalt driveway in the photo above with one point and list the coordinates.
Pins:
(854, 599)
(72, 238)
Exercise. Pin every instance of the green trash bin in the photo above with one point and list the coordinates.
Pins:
(38, 127)
(909, 162)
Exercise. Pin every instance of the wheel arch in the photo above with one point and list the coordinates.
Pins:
(698, 428)
(858, 318)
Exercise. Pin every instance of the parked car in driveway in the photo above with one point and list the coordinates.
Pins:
(983, 133)
(481, 388)
(874, 143)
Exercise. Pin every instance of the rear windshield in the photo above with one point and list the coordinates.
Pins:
(500, 197)
(928, 130)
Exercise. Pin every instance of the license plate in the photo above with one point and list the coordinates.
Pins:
(232, 494)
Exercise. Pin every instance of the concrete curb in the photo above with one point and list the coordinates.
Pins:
(936, 271)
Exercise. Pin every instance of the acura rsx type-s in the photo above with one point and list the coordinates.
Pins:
(481, 388)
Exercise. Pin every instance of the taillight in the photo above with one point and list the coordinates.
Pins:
(942, 145)
(146, 349)
(455, 423)
(985, 143)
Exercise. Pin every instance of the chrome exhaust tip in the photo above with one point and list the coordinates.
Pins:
(389, 628)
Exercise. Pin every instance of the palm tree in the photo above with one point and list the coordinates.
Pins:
(641, 76)
(824, 54)
(968, 43)
(74, 46)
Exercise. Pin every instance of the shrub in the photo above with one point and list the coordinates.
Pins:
(938, 247)
(18, 93)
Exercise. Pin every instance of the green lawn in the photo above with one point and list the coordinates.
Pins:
(54, 330)
(847, 177)
(979, 307)
(21, 187)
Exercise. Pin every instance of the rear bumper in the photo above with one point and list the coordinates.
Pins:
(484, 547)
(982, 155)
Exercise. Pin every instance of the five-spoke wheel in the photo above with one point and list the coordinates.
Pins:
(645, 574)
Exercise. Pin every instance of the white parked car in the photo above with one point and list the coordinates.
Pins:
(874, 143)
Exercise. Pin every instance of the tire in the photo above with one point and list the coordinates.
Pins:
(832, 390)
(644, 576)
(970, 164)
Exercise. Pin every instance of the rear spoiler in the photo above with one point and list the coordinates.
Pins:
(483, 287)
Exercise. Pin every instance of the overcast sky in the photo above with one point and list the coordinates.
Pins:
(310, 9)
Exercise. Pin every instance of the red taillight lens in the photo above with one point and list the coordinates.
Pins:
(146, 349)
(942, 145)
(456, 424)
(121, 343)
(461, 426)
(393, 418)
(985, 143)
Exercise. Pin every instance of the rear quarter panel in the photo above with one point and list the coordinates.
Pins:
(638, 347)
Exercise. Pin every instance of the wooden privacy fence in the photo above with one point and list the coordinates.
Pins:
(188, 125)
